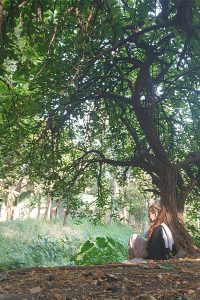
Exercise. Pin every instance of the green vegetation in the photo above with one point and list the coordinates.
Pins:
(195, 234)
(100, 251)
(32, 243)
(193, 218)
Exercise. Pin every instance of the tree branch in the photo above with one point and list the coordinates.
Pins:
(143, 115)
(193, 158)
(108, 95)
(183, 18)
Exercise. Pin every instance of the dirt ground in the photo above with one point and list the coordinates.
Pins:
(176, 279)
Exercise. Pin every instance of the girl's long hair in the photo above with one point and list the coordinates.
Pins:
(161, 210)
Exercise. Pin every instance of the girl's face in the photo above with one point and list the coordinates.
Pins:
(153, 216)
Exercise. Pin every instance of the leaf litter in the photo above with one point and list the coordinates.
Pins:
(176, 279)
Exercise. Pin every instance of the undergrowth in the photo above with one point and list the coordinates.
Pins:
(31, 243)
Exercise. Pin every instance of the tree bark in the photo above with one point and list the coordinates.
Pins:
(48, 208)
(9, 206)
(65, 217)
(67, 210)
(38, 206)
(174, 217)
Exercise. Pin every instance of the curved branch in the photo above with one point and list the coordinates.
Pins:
(131, 130)
(193, 158)
(183, 18)
(143, 115)
(109, 95)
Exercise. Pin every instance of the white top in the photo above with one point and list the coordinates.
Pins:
(167, 236)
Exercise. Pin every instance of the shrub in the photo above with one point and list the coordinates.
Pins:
(195, 233)
(100, 251)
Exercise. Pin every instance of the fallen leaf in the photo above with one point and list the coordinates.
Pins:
(35, 290)
(166, 266)
(144, 266)
(110, 277)
(195, 285)
(104, 285)
(2, 277)
(159, 276)
(144, 297)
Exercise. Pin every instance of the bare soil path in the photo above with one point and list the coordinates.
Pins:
(176, 279)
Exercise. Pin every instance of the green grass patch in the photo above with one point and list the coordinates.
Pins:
(33, 242)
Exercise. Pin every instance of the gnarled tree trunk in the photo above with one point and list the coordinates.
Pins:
(171, 200)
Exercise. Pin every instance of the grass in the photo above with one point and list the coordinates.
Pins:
(33, 242)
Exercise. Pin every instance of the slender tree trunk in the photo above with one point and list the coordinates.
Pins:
(111, 211)
(38, 206)
(114, 194)
(48, 208)
(67, 210)
(175, 217)
(65, 217)
(9, 214)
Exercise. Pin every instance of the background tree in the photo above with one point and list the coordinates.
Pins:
(117, 80)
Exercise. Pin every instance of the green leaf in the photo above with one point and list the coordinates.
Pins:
(88, 245)
(101, 242)
(166, 266)
(111, 241)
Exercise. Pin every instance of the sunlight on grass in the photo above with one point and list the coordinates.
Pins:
(33, 242)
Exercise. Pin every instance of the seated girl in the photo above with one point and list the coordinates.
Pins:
(158, 242)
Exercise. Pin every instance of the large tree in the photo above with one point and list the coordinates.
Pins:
(112, 82)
